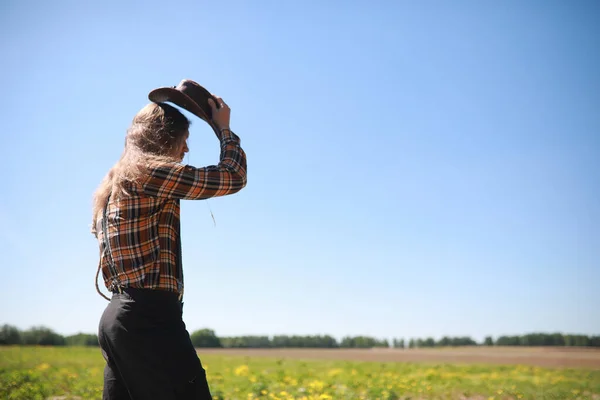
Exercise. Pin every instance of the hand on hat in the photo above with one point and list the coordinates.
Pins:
(220, 115)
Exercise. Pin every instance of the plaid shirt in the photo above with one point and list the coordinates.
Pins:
(144, 244)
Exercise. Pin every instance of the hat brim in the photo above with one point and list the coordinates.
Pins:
(199, 108)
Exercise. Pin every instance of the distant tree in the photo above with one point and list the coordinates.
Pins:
(558, 339)
(246, 342)
(411, 343)
(580, 340)
(443, 342)
(398, 343)
(543, 339)
(229, 342)
(348, 342)
(9, 335)
(42, 336)
(462, 341)
(82, 339)
(205, 338)
(508, 341)
(304, 341)
(326, 341)
(257, 341)
(363, 342)
(488, 341)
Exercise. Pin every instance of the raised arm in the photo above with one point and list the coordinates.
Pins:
(187, 182)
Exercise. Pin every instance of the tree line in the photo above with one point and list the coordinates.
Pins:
(43, 336)
(208, 338)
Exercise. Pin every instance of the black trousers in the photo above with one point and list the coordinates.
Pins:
(148, 351)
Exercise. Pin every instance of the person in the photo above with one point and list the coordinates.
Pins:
(136, 220)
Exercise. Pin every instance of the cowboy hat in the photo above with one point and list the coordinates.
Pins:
(189, 95)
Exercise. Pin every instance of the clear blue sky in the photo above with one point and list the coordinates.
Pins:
(415, 168)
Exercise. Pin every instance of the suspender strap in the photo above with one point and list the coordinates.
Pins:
(180, 260)
(115, 284)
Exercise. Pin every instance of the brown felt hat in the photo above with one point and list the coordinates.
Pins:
(188, 95)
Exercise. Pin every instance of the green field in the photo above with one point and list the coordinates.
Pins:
(31, 373)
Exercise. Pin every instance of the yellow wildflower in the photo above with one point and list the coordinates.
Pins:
(242, 370)
(43, 367)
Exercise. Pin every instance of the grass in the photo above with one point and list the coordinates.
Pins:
(33, 373)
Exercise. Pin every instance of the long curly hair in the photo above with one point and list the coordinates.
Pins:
(155, 134)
